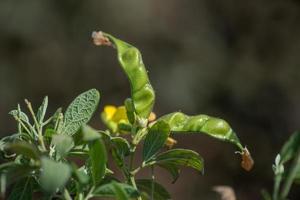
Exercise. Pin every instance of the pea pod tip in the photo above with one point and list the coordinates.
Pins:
(100, 39)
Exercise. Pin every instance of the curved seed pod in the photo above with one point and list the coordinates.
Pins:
(131, 61)
(214, 127)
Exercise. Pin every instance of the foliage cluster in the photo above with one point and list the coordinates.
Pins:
(61, 157)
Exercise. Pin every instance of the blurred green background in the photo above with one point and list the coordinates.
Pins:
(238, 60)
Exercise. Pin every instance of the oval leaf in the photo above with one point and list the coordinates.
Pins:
(179, 157)
(155, 139)
(98, 160)
(80, 111)
(63, 144)
(54, 174)
(120, 150)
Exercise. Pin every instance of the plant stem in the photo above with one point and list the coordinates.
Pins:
(32, 113)
(291, 176)
(41, 141)
(152, 182)
(89, 195)
(37, 125)
(131, 175)
(277, 181)
(133, 183)
(67, 195)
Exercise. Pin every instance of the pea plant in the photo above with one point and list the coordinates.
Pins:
(61, 157)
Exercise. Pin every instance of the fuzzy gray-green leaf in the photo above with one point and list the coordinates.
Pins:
(63, 144)
(80, 111)
(54, 175)
(42, 110)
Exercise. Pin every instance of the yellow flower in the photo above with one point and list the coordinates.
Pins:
(109, 111)
(112, 116)
(115, 114)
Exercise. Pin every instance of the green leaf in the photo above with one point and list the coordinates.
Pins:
(179, 157)
(98, 160)
(160, 193)
(63, 144)
(214, 127)
(42, 110)
(22, 190)
(155, 139)
(80, 111)
(54, 175)
(24, 148)
(120, 150)
(290, 148)
(89, 134)
(130, 59)
(109, 190)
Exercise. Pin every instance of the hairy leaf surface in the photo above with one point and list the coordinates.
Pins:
(80, 111)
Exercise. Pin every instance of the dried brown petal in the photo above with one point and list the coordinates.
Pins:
(247, 161)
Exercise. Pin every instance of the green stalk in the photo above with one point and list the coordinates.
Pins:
(291, 176)
(132, 175)
(152, 182)
(277, 181)
(90, 193)
(133, 183)
(67, 195)
(37, 125)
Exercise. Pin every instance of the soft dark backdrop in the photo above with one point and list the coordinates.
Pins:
(238, 60)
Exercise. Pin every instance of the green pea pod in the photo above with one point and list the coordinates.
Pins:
(214, 127)
(131, 61)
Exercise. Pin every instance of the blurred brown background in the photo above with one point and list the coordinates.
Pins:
(238, 60)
